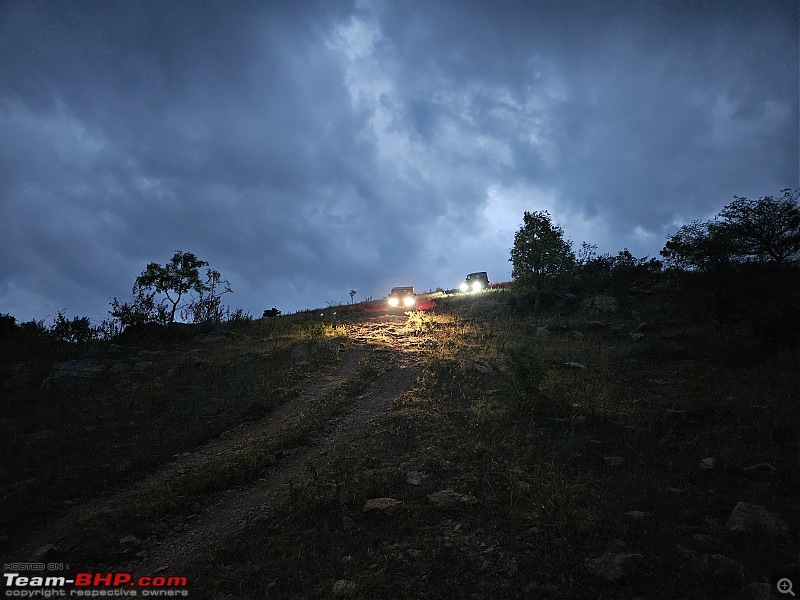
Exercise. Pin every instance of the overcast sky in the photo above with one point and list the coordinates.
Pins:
(309, 148)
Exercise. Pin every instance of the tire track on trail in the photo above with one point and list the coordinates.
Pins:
(238, 507)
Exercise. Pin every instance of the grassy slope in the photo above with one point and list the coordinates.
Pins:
(546, 498)
(528, 441)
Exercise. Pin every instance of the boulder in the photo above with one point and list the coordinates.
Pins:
(73, 369)
(755, 519)
(603, 304)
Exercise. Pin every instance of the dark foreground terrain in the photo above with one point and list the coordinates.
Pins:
(626, 445)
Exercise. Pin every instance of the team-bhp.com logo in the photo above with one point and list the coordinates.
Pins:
(93, 585)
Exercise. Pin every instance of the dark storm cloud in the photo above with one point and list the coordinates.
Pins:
(307, 149)
(643, 102)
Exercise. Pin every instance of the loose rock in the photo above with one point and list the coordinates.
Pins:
(47, 553)
(762, 470)
(448, 498)
(575, 365)
(384, 505)
(613, 566)
(344, 588)
(481, 366)
(637, 515)
(73, 369)
(413, 478)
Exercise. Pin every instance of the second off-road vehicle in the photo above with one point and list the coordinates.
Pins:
(475, 282)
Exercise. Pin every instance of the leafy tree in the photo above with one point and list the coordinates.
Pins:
(140, 310)
(352, 295)
(175, 279)
(8, 325)
(701, 245)
(587, 254)
(541, 256)
(207, 307)
(79, 330)
(767, 229)
(159, 291)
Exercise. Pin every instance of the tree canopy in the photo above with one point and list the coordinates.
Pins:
(159, 290)
(540, 256)
(763, 230)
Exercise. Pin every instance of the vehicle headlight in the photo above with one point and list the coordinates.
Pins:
(393, 301)
(409, 301)
(477, 285)
(463, 287)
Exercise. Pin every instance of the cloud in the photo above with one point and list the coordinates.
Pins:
(308, 150)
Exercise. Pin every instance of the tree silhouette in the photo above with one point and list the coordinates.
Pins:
(763, 230)
(175, 279)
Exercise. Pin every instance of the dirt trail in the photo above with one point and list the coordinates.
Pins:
(230, 512)
(238, 507)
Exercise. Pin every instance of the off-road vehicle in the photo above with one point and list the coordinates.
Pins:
(402, 297)
(475, 282)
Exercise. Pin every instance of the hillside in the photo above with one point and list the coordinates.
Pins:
(619, 444)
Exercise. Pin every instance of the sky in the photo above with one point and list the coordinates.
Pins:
(306, 149)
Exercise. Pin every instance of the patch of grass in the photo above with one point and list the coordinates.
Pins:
(78, 436)
(183, 493)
